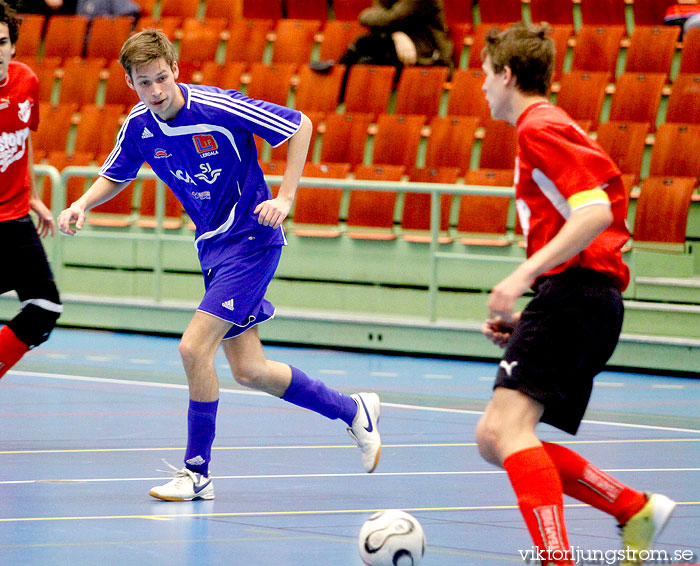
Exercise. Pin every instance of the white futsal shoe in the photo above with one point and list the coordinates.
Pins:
(186, 485)
(364, 429)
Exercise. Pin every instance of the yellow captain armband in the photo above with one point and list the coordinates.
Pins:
(587, 198)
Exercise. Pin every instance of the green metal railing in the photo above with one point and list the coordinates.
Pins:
(159, 237)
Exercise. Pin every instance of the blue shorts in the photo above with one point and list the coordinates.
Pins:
(235, 290)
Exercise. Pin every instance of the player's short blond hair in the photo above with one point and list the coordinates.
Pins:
(527, 50)
(145, 47)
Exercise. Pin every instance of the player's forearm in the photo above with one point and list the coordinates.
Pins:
(582, 227)
(296, 157)
(102, 190)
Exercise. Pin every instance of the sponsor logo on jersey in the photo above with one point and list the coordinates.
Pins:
(25, 111)
(208, 174)
(12, 147)
(205, 144)
(183, 177)
(146, 134)
(204, 195)
(4, 103)
(508, 366)
(161, 154)
(228, 304)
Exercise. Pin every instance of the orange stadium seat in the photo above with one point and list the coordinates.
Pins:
(560, 12)
(318, 92)
(46, 70)
(624, 143)
(651, 49)
(650, 12)
(254, 9)
(603, 12)
(450, 142)
(581, 95)
(560, 35)
(106, 37)
(117, 91)
(98, 127)
(271, 82)
(371, 213)
(637, 98)
(199, 45)
(483, 219)
(307, 9)
(478, 37)
(55, 124)
(397, 139)
(684, 102)
(415, 217)
(179, 8)
(420, 90)
(369, 88)
(690, 56)
(344, 138)
(30, 36)
(676, 151)
(500, 11)
(498, 147)
(81, 79)
(466, 98)
(229, 11)
(458, 12)
(65, 36)
(597, 48)
(247, 40)
(226, 76)
(146, 6)
(294, 40)
(458, 34)
(316, 209)
(662, 210)
(337, 35)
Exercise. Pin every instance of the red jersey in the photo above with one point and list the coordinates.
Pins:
(558, 170)
(19, 112)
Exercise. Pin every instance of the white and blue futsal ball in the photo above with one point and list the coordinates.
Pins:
(392, 538)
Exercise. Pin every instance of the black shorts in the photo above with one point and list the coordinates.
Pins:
(23, 264)
(565, 336)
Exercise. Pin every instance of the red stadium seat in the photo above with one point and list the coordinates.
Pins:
(662, 210)
(415, 218)
(271, 82)
(316, 209)
(307, 9)
(337, 36)
(651, 49)
(690, 56)
(55, 124)
(581, 95)
(344, 138)
(349, 10)
(676, 151)
(597, 48)
(65, 36)
(371, 213)
(466, 97)
(254, 9)
(98, 127)
(560, 12)
(81, 79)
(30, 36)
(624, 143)
(247, 40)
(106, 37)
(319, 92)
(117, 90)
(500, 11)
(450, 142)
(420, 90)
(684, 102)
(637, 98)
(483, 219)
(294, 40)
(603, 12)
(397, 139)
(369, 89)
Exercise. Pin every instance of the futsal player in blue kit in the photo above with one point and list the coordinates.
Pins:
(199, 140)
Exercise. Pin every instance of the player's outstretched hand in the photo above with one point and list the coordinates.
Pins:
(273, 212)
(499, 330)
(45, 224)
(74, 214)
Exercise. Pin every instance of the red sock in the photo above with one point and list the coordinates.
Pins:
(11, 349)
(583, 481)
(537, 485)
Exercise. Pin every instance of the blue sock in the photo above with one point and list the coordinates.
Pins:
(316, 396)
(201, 429)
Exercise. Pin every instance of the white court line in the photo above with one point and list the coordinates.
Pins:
(437, 376)
(383, 374)
(247, 392)
(331, 476)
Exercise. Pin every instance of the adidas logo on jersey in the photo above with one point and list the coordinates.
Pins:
(228, 304)
(146, 134)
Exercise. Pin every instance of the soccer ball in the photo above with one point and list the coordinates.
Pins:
(392, 538)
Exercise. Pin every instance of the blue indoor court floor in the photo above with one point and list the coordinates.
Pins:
(86, 419)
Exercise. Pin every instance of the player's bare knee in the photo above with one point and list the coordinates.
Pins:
(487, 441)
(249, 375)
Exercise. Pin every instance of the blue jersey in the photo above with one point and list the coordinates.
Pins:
(207, 156)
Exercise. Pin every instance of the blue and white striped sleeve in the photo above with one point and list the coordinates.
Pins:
(274, 123)
(125, 160)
